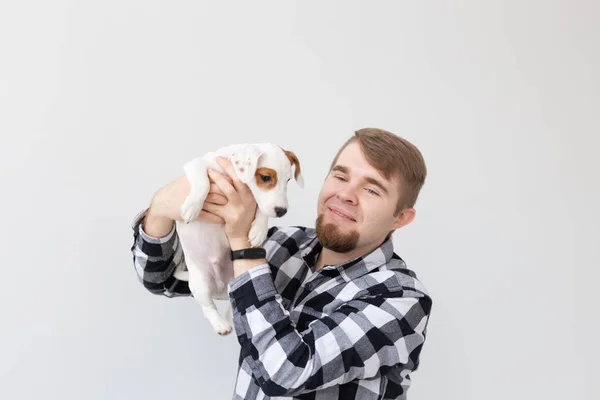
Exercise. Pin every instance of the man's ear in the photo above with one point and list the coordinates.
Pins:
(405, 217)
(245, 161)
(296, 165)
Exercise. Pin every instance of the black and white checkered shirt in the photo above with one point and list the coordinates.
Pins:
(349, 331)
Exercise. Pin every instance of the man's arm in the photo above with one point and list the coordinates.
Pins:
(359, 339)
(156, 226)
(156, 257)
(157, 252)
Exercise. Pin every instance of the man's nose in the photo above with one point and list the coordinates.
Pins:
(280, 211)
(348, 195)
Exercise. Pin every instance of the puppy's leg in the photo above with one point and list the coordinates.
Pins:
(201, 290)
(258, 229)
(229, 314)
(196, 173)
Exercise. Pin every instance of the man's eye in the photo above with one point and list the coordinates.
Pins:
(339, 178)
(265, 178)
(371, 191)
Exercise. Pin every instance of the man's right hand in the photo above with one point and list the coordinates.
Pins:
(166, 207)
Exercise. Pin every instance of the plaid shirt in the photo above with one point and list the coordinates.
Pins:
(349, 331)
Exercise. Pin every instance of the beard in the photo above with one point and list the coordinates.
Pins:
(333, 239)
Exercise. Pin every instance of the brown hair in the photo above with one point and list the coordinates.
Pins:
(393, 157)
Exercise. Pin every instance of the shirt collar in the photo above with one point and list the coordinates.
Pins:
(351, 269)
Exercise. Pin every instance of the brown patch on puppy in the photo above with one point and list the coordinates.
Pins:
(294, 161)
(266, 178)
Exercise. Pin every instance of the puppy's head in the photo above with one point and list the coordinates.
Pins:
(267, 174)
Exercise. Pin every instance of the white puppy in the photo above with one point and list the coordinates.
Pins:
(266, 169)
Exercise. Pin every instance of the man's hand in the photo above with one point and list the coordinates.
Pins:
(166, 206)
(240, 208)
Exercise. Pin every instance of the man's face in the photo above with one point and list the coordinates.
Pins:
(364, 198)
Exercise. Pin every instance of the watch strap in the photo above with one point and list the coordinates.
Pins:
(251, 253)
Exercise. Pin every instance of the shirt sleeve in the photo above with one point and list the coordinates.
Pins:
(156, 259)
(361, 338)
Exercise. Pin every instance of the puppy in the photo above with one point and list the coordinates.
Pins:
(266, 169)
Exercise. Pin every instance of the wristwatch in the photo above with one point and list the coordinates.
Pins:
(251, 253)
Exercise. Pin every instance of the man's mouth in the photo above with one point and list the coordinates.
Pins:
(336, 212)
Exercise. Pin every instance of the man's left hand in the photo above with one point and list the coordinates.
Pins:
(240, 210)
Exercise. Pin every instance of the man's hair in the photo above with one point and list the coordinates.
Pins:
(392, 156)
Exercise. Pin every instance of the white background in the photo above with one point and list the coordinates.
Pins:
(102, 102)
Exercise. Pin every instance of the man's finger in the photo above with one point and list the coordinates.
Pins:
(230, 171)
(213, 209)
(218, 199)
(228, 168)
(222, 183)
(210, 217)
(224, 176)
(214, 188)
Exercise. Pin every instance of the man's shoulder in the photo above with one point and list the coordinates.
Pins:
(406, 279)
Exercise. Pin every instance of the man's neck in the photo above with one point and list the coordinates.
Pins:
(329, 257)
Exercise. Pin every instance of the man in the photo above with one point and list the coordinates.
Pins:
(330, 312)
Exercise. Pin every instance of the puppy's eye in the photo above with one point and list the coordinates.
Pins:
(265, 178)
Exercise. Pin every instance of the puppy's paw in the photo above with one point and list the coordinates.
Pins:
(222, 327)
(190, 209)
(257, 235)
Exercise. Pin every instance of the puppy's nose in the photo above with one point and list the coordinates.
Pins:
(280, 211)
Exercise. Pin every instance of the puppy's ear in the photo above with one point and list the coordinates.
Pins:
(245, 161)
(296, 164)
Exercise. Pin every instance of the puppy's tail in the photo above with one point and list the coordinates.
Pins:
(182, 275)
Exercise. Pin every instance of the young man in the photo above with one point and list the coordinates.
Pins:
(330, 312)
